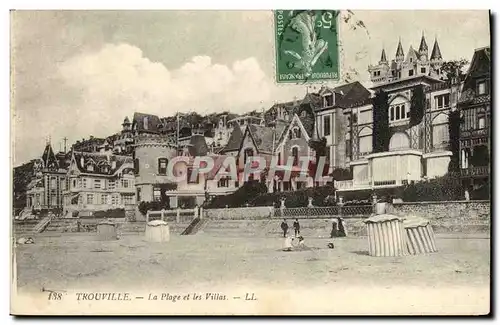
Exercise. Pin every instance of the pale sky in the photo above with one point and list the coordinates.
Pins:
(79, 73)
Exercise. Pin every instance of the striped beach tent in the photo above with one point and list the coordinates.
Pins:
(419, 235)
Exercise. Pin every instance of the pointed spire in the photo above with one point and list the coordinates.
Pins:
(383, 57)
(399, 52)
(436, 52)
(48, 157)
(423, 48)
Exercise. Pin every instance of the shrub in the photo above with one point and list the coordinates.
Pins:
(481, 193)
(144, 207)
(341, 174)
(240, 197)
(111, 213)
(446, 188)
(322, 196)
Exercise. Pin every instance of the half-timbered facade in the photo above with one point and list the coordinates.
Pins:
(475, 112)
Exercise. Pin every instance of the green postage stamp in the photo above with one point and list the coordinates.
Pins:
(306, 45)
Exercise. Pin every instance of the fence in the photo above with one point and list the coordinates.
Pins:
(175, 215)
(324, 211)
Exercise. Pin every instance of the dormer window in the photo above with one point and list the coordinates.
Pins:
(481, 88)
(296, 133)
(90, 167)
(410, 72)
(303, 114)
(328, 100)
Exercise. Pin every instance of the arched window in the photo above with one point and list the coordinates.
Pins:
(295, 155)
(296, 133)
(399, 141)
(162, 166)
(136, 166)
(247, 153)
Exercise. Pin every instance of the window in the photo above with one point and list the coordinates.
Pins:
(125, 183)
(223, 182)
(408, 114)
(90, 167)
(136, 166)
(157, 194)
(247, 153)
(411, 60)
(403, 111)
(328, 100)
(162, 165)
(422, 70)
(128, 199)
(326, 125)
(145, 123)
(84, 183)
(295, 133)
(392, 113)
(115, 199)
(194, 181)
(138, 194)
(104, 199)
(397, 113)
(97, 183)
(348, 148)
(410, 72)
(74, 183)
(53, 182)
(90, 198)
(279, 159)
(481, 88)
(443, 101)
(111, 184)
(481, 122)
(303, 114)
(295, 154)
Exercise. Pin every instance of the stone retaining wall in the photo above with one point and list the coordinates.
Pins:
(239, 213)
(451, 216)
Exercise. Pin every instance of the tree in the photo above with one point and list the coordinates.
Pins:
(319, 147)
(417, 107)
(454, 69)
(381, 132)
(454, 121)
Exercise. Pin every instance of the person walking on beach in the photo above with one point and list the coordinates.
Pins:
(296, 227)
(284, 227)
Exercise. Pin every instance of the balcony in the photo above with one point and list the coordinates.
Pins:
(473, 133)
(475, 171)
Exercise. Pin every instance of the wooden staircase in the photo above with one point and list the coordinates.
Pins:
(194, 226)
(40, 227)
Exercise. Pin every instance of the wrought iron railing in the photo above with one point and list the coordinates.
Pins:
(476, 171)
(382, 183)
(305, 212)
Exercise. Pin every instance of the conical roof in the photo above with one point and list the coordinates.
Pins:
(49, 158)
(423, 45)
(399, 51)
(383, 57)
(436, 52)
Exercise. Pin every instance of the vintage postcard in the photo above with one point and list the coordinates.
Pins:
(274, 162)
